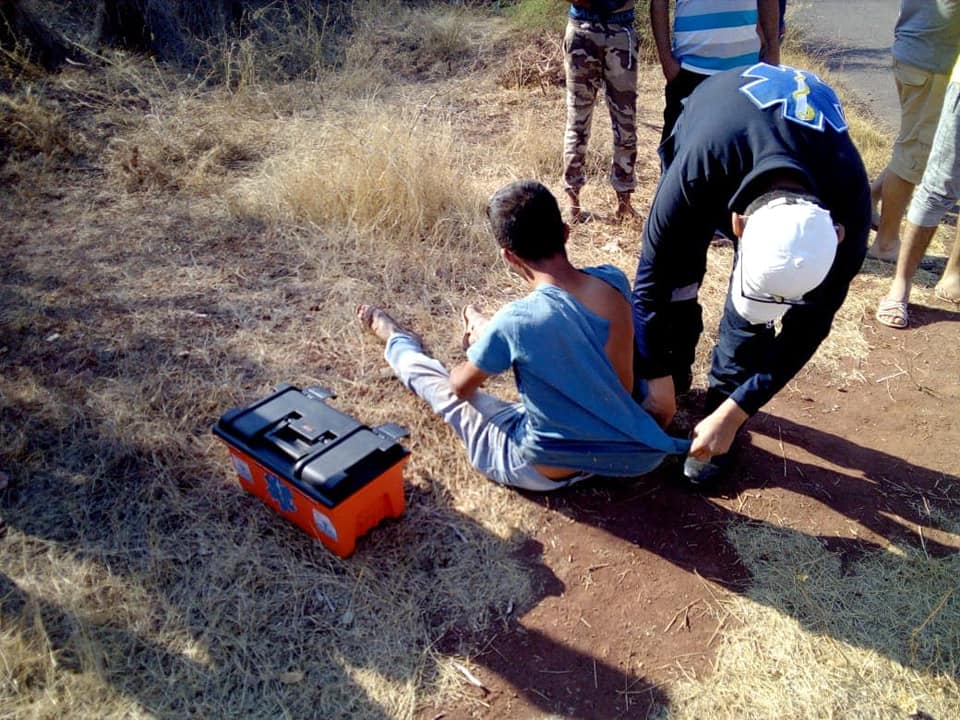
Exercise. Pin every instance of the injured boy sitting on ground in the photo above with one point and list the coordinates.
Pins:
(570, 344)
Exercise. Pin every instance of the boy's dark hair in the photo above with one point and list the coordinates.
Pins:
(525, 219)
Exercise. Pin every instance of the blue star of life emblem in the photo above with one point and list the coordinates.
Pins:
(280, 493)
(805, 98)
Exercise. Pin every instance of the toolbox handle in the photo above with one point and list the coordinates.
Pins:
(319, 393)
(288, 446)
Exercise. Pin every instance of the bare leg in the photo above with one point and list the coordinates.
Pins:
(949, 286)
(892, 310)
(894, 197)
(916, 240)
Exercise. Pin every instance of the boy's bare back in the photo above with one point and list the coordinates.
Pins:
(604, 300)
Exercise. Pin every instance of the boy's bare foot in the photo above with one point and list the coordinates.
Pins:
(377, 321)
(473, 323)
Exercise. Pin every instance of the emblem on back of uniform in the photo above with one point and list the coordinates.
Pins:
(805, 98)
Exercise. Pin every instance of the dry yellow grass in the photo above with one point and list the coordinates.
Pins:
(878, 639)
(195, 278)
(218, 247)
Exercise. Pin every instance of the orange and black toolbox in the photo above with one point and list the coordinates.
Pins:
(317, 467)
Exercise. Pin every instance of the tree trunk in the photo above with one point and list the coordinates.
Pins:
(140, 25)
(22, 33)
(166, 28)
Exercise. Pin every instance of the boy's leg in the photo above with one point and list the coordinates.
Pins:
(482, 422)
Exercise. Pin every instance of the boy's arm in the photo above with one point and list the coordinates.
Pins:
(465, 378)
(619, 347)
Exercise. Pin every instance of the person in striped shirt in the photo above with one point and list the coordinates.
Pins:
(710, 36)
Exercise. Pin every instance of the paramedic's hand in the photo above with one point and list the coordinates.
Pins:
(661, 400)
(715, 433)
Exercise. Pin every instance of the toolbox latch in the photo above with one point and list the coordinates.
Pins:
(392, 431)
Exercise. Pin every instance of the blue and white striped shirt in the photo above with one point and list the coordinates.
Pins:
(714, 35)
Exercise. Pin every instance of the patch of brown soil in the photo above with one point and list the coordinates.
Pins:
(643, 566)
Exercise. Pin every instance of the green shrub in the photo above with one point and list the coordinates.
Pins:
(539, 15)
(551, 16)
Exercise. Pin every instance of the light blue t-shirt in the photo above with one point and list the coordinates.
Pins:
(578, 414)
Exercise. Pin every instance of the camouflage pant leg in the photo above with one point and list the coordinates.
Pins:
(583, 63)
(620, 76)
(596, 55)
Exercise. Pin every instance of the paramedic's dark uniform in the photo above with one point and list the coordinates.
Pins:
(735, 127)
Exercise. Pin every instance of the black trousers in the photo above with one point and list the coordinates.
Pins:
(675, 93)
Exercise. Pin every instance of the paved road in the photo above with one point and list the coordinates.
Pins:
(854, 38)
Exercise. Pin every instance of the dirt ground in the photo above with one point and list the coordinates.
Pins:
(630, 577)
(856, 465)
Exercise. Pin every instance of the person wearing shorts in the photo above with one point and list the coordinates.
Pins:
(925, 46)
(936, 194)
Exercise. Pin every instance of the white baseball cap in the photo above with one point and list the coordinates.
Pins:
(786, 250)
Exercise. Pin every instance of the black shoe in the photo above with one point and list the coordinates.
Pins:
(682, 382)
(705, 475)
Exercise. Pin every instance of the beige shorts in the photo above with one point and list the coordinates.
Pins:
(921, 97)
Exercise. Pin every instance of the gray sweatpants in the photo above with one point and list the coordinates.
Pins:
(479, 420)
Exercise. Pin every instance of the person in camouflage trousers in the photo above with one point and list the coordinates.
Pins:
(600, 49)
